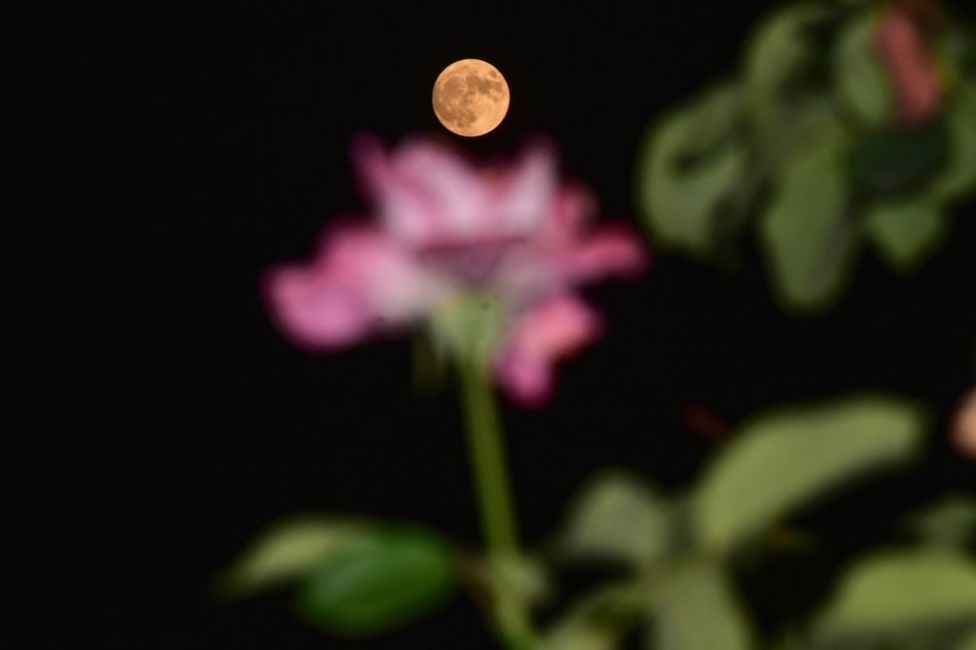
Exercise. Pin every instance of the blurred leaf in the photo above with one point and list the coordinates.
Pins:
(958, 178)
(580, 635)
(698, 612)
(905, 231)
(286, 551)
(806, 234)
(778, 56)
(956, 51)
(509, 586)
(784, 460)
(969, 642)
(617, 517)
(690, 165)
(893, 593)
(950, 522)
(919, 637)
(891, 158)
(380, 582)
(858, 76)
(519, 578)
(596, 622)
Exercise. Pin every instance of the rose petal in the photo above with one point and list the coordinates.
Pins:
(429, 196)
(607, 252)
(361, 282)
(571, 209)
(553, 266)
(424, 193)
(523, 202)
(548, 332)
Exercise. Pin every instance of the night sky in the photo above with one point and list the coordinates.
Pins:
(208, 425)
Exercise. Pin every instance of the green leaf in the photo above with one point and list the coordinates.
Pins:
(891, 158)
(898, 592)
(700, 611)
(969, 642)
(805, 230)
(782, 461)
(597, 621)
(519, 579)
(958, 177)
(690, 165)
(778, 57)
(906, 231)
(617, 517)
(956, 51)
(581, 635)
(859, 80)
(286, 551)
(950, 522)
(381, 582)
(582, 638)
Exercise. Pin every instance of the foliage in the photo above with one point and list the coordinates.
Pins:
(899, 595)
(353, 578)
(678, 591)
(383, 580)
(950, 522)
(784, 460)
(616, 503)
(807, 143)
(777, 464)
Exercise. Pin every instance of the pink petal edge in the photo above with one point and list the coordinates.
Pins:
(545, 334)
(359, 282)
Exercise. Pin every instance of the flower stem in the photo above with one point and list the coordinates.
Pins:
(487, 455)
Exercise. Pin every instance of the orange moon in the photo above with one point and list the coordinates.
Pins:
(470, 97)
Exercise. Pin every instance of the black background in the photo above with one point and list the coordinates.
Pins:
(210, 425)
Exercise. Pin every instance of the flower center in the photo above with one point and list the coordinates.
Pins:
(473, 263)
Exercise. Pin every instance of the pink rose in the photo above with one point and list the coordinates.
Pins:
(446, 229)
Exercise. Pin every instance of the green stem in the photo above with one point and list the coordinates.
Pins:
(487, 455)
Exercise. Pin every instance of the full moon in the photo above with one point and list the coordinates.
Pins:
(470, 97)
